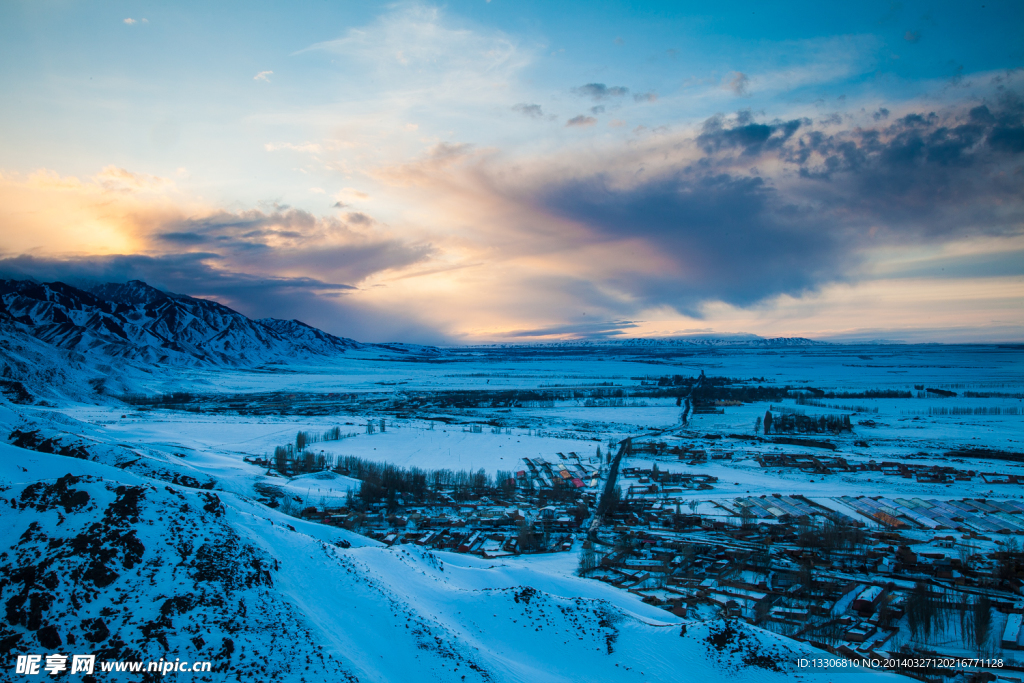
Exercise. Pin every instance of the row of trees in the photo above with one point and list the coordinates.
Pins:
(303, 439)
(933, 614)
(288, 461)
(795, 422)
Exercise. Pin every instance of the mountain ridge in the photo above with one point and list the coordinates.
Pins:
(137, 322)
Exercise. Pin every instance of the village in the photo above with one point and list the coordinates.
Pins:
(862, 577)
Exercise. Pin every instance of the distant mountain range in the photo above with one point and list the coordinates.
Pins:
(662, 342)
(80, 340)
(139, 323)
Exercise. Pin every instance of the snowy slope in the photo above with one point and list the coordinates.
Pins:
(137, 322)
(94, 559)
(61, 342)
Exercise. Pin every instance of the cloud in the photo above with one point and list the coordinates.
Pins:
(263, 76)
(533, 111)
(583, 330)
(745, 134)
(436, 159)
(129, 21)
(173, 272)
(359, 218)
(581, 121)
(730, 237)
(690, 220)
(737, 82)
(645, 96)
(415, 44)
(600, 91)
(912, 36)
(307, 147)
(139, 225)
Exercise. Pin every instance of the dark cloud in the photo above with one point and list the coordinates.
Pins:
(347, 263)
(738, 236)
(357, 218)
(581, 120)
(912, 36)
(599, 109)
(245, 230)
(600, 91)
(184, 238)
(732, 237)
(742, 133)
(534, 111)
(645, 96)
(295, 241)
(182, 273)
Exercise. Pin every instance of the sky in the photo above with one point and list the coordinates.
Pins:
(496, 171)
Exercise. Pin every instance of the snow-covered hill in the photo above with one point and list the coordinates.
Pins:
(98, 560)
(136, 322)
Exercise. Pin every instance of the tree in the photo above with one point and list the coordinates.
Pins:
(527, 537)
(300, 441)
(922, 610)
(966, 618)
(588, 560)
(767, 422)
(746, 517)
(581, 512)
(624, 543)
(757, 424)
(982, 622)
(761, 610)
(1009, 560)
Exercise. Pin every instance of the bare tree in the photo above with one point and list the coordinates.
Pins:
(982, 623)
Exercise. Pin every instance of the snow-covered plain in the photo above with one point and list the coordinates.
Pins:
(296, 606)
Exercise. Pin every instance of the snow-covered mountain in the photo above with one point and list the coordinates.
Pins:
(137, 322)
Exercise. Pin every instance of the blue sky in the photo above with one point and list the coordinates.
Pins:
(481, 171)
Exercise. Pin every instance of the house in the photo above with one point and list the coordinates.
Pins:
(789, 615)
(859, 633)
(1011, 632)
(866, 601)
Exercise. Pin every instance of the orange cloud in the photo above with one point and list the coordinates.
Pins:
(108, 213)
